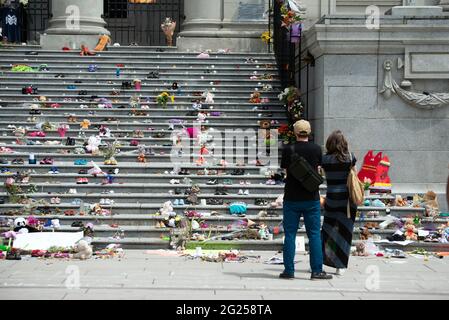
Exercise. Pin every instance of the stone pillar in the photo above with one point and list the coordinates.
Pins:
(444, 4)
(202, 17)
(224, 24)
(73, 23)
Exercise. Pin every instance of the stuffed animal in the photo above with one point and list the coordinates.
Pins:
(369, 168)
(365, 234)
(431, 204)
(410, 230)
(167, 209)
(201, 117)
(93, 145)
(83, 250)
(85, 124)
(360, 250)
(21, 226)
(255, 97)
(208, 97)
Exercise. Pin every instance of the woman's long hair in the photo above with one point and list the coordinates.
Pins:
(337, 145)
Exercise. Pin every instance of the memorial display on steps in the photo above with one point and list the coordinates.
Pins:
(105, 158)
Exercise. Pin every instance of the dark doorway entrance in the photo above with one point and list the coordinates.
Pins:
(141, 22)
(38, 13)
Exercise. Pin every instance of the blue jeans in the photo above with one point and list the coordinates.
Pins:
(293, 210)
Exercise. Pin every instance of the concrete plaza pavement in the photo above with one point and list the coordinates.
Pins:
(141, 275)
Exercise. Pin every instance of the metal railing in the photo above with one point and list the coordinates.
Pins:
(286, 50)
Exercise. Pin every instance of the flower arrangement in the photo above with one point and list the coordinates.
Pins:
(267, 37)
(291, 98)
(289, 17)
(14, 191)
(168, 27)
(367, 183)
(110, 151)
(163, 98)
(286, 133)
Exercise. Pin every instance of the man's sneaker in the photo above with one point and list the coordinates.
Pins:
(287, 276)
(320, 276)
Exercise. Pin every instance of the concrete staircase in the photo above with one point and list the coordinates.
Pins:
(140, 189)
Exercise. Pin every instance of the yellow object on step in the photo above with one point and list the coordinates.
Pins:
(103, 42)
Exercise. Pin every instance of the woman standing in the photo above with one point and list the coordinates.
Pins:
(338, 223)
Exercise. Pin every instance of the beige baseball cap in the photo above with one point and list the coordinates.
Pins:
(302, 127)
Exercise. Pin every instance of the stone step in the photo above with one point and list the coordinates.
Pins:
(148, 65)
(203, 83)
(155, 120)
(131, 55)
(104, 231)
(146, 220)
(150, 208)
(143, 73)
(136, 178)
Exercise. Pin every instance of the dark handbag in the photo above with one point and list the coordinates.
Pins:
(305, 173)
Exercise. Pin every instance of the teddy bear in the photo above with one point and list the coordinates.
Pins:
(208, 97)
(167, 209)
(83, 250)
(360, 250)
(410, 230)
(431, 204)
(365, 234)
(255, 97)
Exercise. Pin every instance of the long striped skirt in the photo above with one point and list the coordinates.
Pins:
(336, 235)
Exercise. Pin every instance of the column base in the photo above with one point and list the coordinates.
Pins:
(72, 41)
(236, 41)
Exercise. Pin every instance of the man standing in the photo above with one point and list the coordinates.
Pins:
(298, 201)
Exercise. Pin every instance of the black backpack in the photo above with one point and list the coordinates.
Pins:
(304, 172)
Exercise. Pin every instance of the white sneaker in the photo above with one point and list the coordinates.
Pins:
(340, 272)
(174, 181)
(240, 192)
(246, 193)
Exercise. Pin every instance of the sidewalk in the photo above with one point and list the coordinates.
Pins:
(144, 276)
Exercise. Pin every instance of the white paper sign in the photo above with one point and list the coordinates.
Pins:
(46, 240)
(300, 244)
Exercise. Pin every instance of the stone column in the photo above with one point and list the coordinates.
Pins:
(73, 23)
(224, 24)
(444, 4)
(203, 17)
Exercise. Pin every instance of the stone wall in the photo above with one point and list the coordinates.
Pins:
(319, 8)
(343, 92)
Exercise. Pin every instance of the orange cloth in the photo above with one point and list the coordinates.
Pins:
(102, 43)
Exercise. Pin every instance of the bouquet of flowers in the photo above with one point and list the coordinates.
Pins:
(289, 17)
(367, 183)
(163, 98)
(267, 37)
(168, 27)
(286, 133)
(291, 98)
